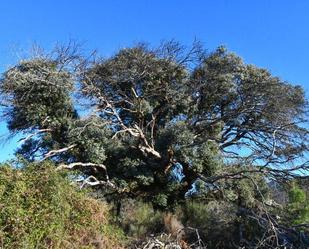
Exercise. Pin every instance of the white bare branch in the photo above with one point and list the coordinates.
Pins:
(73, 166)
(55, 152)
(92, 181)
(24, 139)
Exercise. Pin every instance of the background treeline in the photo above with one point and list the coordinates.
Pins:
(170, 146)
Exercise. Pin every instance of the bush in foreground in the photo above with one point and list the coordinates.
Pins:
(39, 208)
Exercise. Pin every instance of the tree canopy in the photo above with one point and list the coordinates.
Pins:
(160, 123)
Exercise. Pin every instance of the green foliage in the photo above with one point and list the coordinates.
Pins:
(298, 206)
(249, 191)
(92, 138)
(29, 87)
(214, 220)
(245, 98)
(140, 76)
(41, 209)
(139, 219)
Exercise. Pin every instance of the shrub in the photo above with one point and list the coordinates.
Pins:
(41, 209)
(215, 221)
(139, 219)
(298, 206)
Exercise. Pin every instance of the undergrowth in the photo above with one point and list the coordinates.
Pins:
(39, 208)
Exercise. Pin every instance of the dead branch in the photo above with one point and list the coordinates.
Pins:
(92, 181)
(73, 166)
(24, 139)
(55, 152)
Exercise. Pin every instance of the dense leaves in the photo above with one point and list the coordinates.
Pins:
(28, 88)
(40, 209)
(253, 108)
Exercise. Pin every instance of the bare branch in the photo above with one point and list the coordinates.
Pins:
(24, 139)
(55, 152)
(92, 181)
(73, 166)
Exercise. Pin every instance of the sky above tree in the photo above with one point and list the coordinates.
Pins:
(270, 34)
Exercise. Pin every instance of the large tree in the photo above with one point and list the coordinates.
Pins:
(165, 124)
(157, 122)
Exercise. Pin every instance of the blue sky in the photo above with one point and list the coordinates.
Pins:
(269, 33)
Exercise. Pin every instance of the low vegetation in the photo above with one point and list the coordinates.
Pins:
(41, 209)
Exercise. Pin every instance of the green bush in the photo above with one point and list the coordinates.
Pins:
(214, 220)
(40, 208)
(139, 219)
(298, 206)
